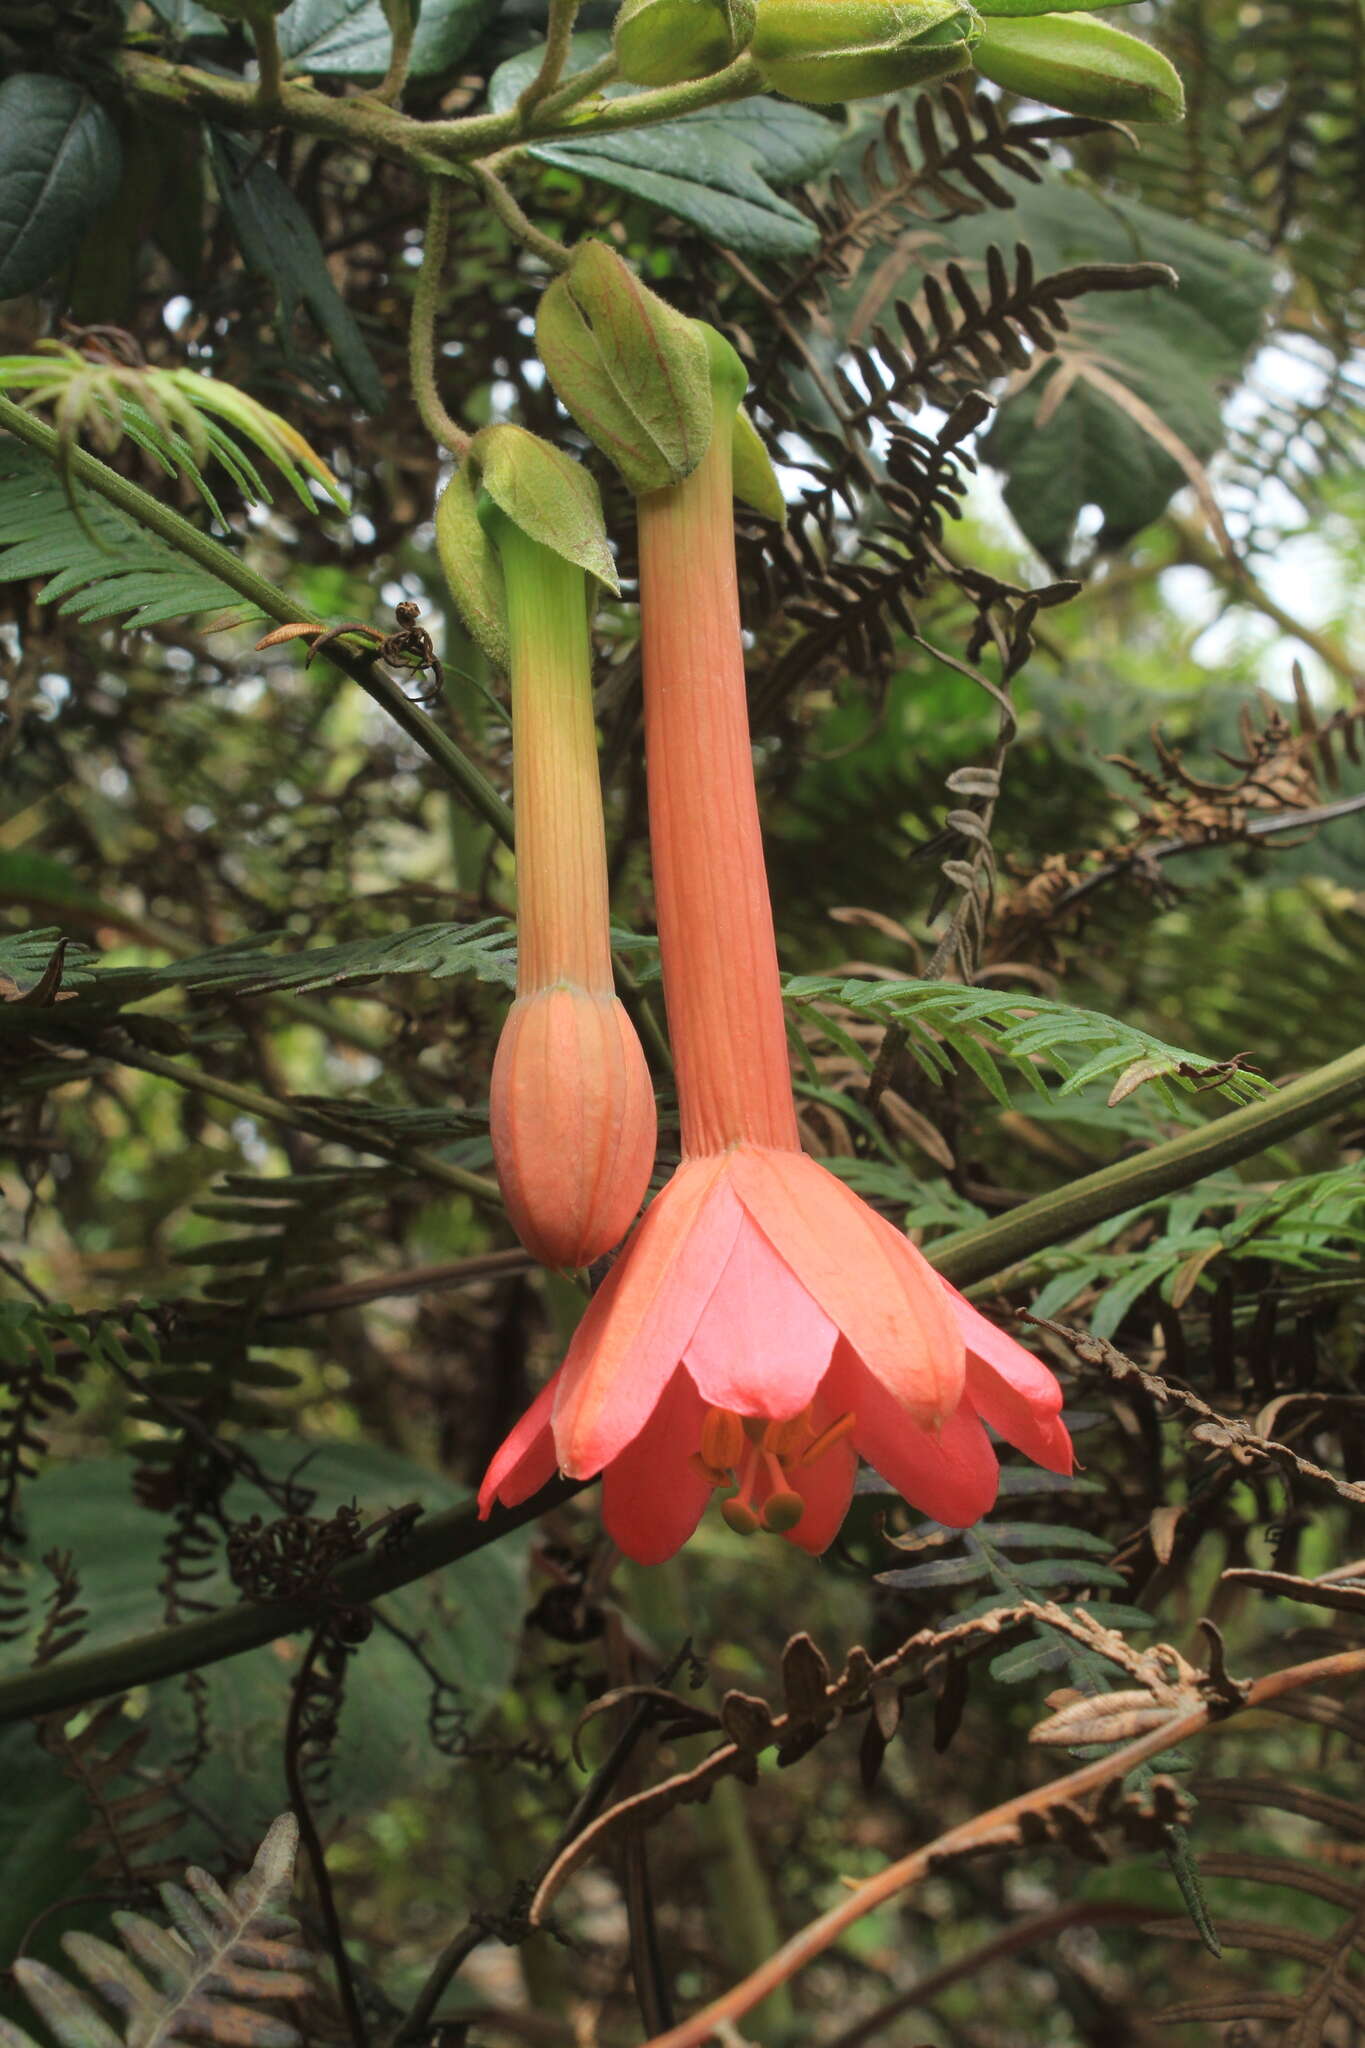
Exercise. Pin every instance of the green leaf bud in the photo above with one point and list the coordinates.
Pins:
(824, 51)
(1082, 65)
(664, 42)
(633, 372)
(543, 493)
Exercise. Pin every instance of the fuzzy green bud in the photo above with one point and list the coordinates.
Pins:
(824, 51)
(546, 495)
(664, 42)
(629, 367)
(1082, 65)
(1015, 8)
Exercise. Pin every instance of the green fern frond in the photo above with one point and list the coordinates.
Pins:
(207, 1977)
(99, 565)
(172, 415)
(984, 1026)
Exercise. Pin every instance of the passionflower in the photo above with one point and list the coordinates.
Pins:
(763, 1325)
(571, 1107)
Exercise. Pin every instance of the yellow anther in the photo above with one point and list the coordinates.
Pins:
(739, 1515)
(828, 1438)
(782, 1511)
(722, 1439)
(785, 1439)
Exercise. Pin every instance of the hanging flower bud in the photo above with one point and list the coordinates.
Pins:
(824, 51)
(1082, 65)
(636, 375)
(663, 42)
(521, 540)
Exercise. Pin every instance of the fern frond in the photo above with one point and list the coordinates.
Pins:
(171, 414)
(99, 564)
(208, 1977)
(984, 1026)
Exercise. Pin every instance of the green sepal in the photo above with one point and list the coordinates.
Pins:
(664, 42)
(756, 481)
(631, 370)
(1083, 66)
(546, 495)
(826, 51)
(470, 565)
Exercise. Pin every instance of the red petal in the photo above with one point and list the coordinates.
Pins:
(763, 1345)
(641, 1320)
(652, 1494)
(1013, 1390)
(525, 1460)
(879, 1291)
(952, 1476)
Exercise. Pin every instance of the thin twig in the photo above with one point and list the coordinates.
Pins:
(312, 1841)
(585, 1809)
(426, 299)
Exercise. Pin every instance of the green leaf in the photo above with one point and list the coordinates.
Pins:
(715, 168)
(467, 1617)
(1178, 352)
(277, 239)
(60, 163)
(351, 38)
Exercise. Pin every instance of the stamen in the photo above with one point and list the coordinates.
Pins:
(785, 1439)
(722, 1439)
(783, 1508)
(782, 1511)
(756, 1427)
(738, 1509)
(828, 1438)
(710, 1473)
(739, 1515)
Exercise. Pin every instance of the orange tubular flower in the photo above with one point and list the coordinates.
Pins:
(571, 1107)
(763, 1326)
(520, 534)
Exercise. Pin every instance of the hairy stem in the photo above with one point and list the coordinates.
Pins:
(987, 1248)
(210, 554)
(269, 62)
(426, 300)
(517, 223)
(558, 35)
(436, 1541)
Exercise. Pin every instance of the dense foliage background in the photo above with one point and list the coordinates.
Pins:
(1058, 694)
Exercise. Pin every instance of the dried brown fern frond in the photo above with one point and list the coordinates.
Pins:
(961, 149)
(1328, 2003)
(228, 1957)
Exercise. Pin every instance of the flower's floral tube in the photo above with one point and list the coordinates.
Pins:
(571, 1106)
(763, 1326)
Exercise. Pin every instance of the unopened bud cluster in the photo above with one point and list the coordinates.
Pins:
(824, 52)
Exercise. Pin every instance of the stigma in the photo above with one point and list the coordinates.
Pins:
(759, 1459)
